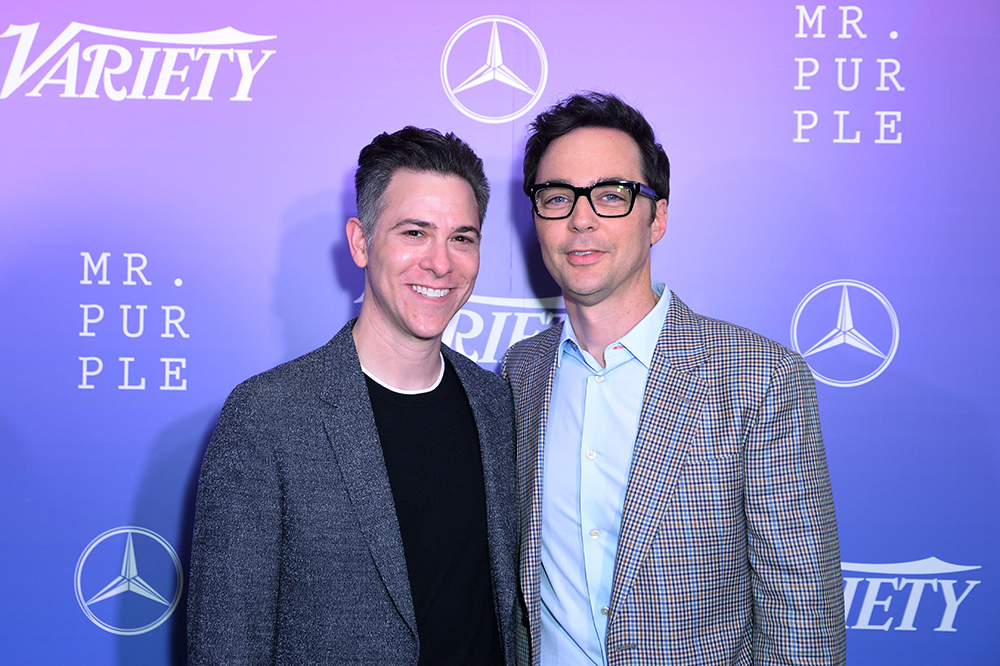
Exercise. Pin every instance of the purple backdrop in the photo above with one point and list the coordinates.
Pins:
(834, 188)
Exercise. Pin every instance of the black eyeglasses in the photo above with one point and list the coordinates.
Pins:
(609, 198)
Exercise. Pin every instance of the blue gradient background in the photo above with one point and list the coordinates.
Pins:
(246, 203)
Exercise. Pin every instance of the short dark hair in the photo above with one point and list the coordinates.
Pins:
(595, 109)
(415, 149)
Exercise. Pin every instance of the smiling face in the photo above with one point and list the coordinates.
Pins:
(423, 258)
(598, 260)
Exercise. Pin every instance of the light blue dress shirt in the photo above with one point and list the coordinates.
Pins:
(592, 425)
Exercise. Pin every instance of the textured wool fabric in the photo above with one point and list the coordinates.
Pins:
(297, 557)
(728, 552)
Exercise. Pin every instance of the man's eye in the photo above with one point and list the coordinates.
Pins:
(556, 200)
(414, 233)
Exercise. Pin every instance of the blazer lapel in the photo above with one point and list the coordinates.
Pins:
(673, 400)
(532, 425)
(350, 427)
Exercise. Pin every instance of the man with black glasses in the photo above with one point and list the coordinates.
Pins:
(675, 505)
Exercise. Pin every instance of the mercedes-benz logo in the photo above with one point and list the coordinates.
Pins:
(154, 606)
(844, 332)
(494, 72)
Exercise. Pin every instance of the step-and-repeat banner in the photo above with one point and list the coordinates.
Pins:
(174, 183)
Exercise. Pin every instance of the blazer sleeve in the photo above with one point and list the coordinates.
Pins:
(792, 530)
(233, 593)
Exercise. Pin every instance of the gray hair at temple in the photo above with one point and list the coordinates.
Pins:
(414, 149)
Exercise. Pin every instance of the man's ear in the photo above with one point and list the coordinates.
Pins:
(659, 225)
(357, 242)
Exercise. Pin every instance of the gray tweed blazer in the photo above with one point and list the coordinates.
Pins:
(297, 556)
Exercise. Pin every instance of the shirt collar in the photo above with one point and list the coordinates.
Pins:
(640, 341)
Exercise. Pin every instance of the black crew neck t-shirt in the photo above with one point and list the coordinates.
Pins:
(431, 450)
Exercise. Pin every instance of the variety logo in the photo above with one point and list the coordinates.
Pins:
(499, 91)
(839, 352)
(913, 579)
(139, 570)
(165, 68)
(487, 325)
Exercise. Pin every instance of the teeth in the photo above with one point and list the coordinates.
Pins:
(583, 253)
(430, 293)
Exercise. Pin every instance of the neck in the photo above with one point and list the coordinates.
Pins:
(405, 364)
(597, 326)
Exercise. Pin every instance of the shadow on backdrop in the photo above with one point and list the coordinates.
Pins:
(315, 270)
(539, 281)
(165, 504)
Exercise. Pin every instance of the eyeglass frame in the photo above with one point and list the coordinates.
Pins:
(634, 186)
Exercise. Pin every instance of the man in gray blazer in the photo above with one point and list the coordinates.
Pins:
(356, 505)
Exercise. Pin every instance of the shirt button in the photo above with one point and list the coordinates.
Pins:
(605, 611)
(599, 378)
(594, 534)
(591, 454)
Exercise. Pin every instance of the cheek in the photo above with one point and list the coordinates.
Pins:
(469, 262)
(543, 229)
(546, 239)
(401, 259)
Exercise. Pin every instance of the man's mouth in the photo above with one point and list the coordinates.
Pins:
(430, 293)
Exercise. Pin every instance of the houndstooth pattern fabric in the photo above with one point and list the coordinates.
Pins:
(728, 551)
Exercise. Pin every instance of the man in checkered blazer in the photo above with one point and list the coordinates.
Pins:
(674, 500)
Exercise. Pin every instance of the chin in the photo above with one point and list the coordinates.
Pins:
(429, 331)
(585, 293)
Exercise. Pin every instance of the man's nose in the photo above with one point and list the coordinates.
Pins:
(437, 259)
(582, 217)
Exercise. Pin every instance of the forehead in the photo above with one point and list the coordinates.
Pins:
(589, 154)
(442, 200)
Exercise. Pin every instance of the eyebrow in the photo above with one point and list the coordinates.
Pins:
(424, 224)
(602, 179)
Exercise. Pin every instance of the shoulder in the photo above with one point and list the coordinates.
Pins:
(471, 372)
(731, 357)
(725, 340)
(482, 387)
(530, 351)
(287, 388)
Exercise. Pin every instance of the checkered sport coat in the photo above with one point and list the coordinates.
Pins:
(728, 551)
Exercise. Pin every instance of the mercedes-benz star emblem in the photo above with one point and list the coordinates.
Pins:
(494, 70)
(157, 607)
(845, 332)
